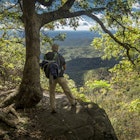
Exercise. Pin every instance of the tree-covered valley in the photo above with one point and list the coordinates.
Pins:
(86, 57)
(103, 67)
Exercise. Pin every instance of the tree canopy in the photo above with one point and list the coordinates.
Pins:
(51, 14)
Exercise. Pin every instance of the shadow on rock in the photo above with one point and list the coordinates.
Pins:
(85, 121)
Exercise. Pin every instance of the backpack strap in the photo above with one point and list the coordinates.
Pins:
(57, 58)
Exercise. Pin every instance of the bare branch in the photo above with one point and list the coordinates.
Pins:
(19, 1)
(5, 93)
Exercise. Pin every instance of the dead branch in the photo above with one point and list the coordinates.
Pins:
(9, 99)
(9, 122)
(5, 93)
(9, 116)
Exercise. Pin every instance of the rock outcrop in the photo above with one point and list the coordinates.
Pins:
(85, 121)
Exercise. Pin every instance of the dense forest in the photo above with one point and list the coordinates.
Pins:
(105, 70)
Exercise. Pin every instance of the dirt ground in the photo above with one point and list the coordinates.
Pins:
(36, 123)
(85, 121)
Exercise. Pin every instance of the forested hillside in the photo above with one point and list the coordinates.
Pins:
(76, 68)
(74, 38)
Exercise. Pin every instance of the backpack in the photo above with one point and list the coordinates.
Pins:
(51, 67)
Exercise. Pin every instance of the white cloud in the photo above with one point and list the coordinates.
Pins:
(136, 6)
(8, 4)
(100, 15)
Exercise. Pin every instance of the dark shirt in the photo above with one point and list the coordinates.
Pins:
(58, 58)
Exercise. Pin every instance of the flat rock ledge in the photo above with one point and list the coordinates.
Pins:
(85, 121)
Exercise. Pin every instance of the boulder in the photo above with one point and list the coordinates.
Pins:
(85, 121)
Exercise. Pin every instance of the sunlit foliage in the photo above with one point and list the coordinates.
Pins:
(12, 59)
(122, 102)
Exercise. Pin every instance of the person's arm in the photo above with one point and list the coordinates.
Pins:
(63, 62)
(64, 67)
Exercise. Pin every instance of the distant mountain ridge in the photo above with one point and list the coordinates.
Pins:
(77, 67)
(75, 38)
(75, 43)
(89, 63)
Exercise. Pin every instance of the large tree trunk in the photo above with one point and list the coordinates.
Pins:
(30, 91)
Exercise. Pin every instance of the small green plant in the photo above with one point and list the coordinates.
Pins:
(135, 106)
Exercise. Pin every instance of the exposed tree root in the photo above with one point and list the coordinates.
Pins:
(3, 117)
(8, 114)
(9, 99)
(8, 105)
(5, 93)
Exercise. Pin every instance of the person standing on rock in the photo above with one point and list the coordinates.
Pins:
(59, 79)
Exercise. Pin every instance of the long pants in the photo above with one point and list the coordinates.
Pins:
(63, 83)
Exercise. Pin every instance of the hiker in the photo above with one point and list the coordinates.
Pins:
(60, 79)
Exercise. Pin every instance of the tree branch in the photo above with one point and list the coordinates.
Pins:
(8, 8)
(61, 14)
(104, 28)
(43, 2)
(21, 7)
(67, 5)
(64, 12)
(126, 46)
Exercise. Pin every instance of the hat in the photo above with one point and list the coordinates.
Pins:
(55, 47)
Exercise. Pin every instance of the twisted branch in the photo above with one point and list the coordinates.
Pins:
(126, 46)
